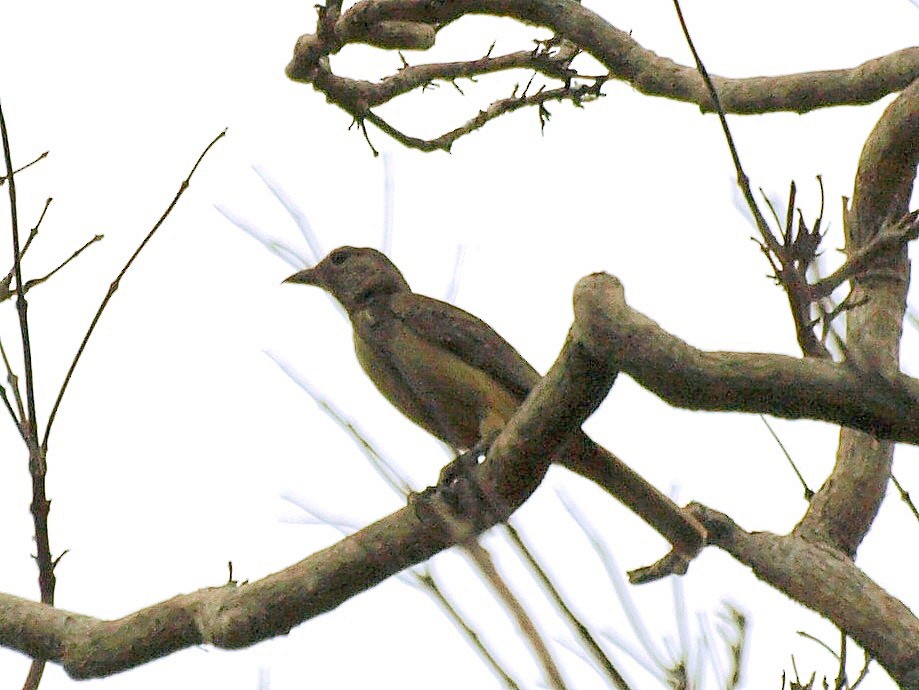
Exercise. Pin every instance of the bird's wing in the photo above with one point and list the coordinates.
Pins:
(468, 337)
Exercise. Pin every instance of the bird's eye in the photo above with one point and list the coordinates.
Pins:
(338, 258)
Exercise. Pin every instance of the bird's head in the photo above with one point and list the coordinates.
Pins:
(354, 276)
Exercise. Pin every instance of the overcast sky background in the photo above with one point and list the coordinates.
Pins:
(180, 439)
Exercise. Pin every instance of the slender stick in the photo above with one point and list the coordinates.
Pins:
(28, 424)
(114, 286)
(22, 306)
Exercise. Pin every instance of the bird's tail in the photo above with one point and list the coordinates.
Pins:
(589, 459)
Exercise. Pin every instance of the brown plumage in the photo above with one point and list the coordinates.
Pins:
(453, 375)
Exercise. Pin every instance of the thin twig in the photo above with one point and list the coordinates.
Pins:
(742, 180)
(795, 287)
(512, 604)
(577, 94)
(736, 648)
(434, 590)
(114, 286)
(584, 635)
(13, 380)
(29, 422)
(904, 496)
(841, 679)
(34, 230)
(9, 408)
(38, 281)
(862, 673)
(19, 170)
(6, 290)
(632, 614)
(381, 465)
(891, 236)
(820, 642)
(808, 492)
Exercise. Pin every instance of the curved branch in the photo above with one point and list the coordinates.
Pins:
(414, 23)
(411, 77)
(232, 617)
(576, 94)
(605, 335)
(828, 582)
(884, 406)
(844, 508)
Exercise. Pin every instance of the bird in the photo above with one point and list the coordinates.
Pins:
(451, 373)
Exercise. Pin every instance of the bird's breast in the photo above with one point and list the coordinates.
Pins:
(430, 384)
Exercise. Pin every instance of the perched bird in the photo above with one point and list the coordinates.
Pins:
(454, 376)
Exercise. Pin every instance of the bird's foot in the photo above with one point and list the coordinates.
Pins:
(457, 486)
(464, 464)
(461, 467)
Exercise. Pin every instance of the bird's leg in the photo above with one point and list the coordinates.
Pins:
(457, 486)
(462, 465)
(457, 483)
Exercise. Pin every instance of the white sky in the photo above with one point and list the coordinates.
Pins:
(179, 437)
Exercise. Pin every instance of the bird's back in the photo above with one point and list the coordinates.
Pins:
(445, 369)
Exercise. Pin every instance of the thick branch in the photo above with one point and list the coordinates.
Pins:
(844, 508)
(626, 59)
(828, 582)
(232, 617)
(886, 407)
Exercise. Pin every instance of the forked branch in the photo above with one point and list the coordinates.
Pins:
(414, 25)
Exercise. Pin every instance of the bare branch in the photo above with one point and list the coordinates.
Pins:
(38, 281)
(13, 381)
(4, 178)
(485, 565)
(808, 492)
(885, 406)
(230, 617)
(827, 581)
(575, 94)
(414, 24)
(892, 236)
(114, 286)
(581, 630)
(844, 508)
(5, 291)
(790, 258)
(28, 423)
(905, 497)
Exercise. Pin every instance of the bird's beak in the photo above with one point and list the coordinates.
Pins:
(308, 276)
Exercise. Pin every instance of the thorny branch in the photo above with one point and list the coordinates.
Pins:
(414, 25)
(576, 94)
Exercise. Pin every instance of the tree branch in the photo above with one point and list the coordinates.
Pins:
(114, 287)
(230, 617)
(28, 423)
(885, 406)
(828, 582)
(844, 508)
(414, 24)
